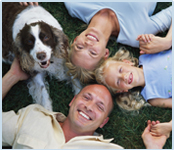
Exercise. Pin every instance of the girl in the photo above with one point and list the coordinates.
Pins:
(154, 74)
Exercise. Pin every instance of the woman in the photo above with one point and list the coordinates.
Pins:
(125, 21)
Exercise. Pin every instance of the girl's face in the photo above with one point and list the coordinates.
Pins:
(122, 76)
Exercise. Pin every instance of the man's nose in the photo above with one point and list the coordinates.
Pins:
(89, 106)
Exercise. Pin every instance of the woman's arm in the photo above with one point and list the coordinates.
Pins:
(150, 44)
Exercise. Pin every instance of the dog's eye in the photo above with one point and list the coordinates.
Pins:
(29, 42)
(46, 38)
(125, 102)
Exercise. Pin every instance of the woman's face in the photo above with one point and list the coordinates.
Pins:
(122, 76)
(89, 48)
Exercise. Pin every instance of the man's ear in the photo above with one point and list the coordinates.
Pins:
(72, 100)
(106, 53)
(128, 62)
(104, 122)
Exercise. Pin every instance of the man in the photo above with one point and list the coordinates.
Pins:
(36, 127)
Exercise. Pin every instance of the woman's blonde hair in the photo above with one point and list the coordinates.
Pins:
(84, 75)
(120, 55)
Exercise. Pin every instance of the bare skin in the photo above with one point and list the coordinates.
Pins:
(15, 74)
(28, 3)
(150, 44)
(162, 129)
(91, 43)
(151, 141)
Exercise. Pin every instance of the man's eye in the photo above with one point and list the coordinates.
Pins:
(100, 108)
(86, 97)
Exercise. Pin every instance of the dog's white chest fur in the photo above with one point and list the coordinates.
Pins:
(33, 14)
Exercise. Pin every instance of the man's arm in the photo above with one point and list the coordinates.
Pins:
(14, 75)
(152, 141)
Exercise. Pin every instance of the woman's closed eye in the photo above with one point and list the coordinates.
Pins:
(79, 47)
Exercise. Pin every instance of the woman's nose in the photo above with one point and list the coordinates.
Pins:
(88, 42)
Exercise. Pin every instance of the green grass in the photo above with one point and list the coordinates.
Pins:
(126, 129)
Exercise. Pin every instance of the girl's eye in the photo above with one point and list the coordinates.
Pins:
(120, 70)
(118, 82)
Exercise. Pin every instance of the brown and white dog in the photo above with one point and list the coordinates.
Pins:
(36, 38)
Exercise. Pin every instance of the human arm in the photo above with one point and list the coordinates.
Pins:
(30, 3)
(161, 102)
(162, 129)
(150, 43)
(14, 75)
(151, 141)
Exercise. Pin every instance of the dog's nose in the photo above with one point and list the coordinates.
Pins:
(41, 56)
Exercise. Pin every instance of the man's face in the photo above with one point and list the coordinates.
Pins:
(90, 108)
(88, 49)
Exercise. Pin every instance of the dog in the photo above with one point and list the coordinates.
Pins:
(35, 37)
(131, 101)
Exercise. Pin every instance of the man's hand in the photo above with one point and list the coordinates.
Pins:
(30, 3)
(17, 72)
(152, 141)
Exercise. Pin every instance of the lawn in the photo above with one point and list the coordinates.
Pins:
(125, 128)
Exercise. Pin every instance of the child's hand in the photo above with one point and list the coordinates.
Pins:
(150, 44)
(30, 3)
(146, 38)
(161, 129)
(151, 141)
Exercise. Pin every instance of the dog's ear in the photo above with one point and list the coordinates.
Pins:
(62, 44)
(26, 61)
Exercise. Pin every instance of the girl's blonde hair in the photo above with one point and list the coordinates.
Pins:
(120, 55)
